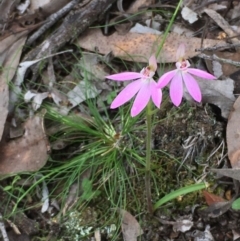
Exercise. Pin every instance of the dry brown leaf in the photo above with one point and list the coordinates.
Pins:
(236, 234)
(222, 23)
(6, 44)
(228, 172)
(211, 198)
(3, 103)
(9, 55)
(216, 209)
(75, 191)
(233, 135)
(139, 47)
(27, 153)
(130, 226)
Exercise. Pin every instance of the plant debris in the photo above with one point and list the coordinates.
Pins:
(74, 169)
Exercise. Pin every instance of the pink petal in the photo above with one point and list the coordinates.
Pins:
(166, 78)
(126, 94)
(124, 76)
(200, 73)
(176, 89)
(141, 100)
(192, 87)
(153, 62)
(156, 94)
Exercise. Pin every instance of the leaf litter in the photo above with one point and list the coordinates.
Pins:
(233, 137)
(17, 157)
(136, 46)
(26, 153)
(130, 226)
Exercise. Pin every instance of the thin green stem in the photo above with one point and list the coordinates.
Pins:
(148, 157)
(149, 122)
(168, 28)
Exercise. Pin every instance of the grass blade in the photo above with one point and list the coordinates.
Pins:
(179, 192)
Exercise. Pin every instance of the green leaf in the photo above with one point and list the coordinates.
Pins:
(111, 96)
(179, 192)
(7, 188)
(88, 193)
(236, 204)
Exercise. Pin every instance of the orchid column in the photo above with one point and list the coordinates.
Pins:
(145, 88)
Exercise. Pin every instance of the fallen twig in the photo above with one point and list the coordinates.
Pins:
(73, 24)
(214, 57)
(218, 47)
(51, 20)
(3, 230)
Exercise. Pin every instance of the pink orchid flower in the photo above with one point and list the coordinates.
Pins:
(183, 76)
(144, 87)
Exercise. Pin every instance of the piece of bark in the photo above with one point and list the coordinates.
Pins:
(75, 23)
(52, 18)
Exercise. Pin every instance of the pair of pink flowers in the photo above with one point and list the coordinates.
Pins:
(145, 87)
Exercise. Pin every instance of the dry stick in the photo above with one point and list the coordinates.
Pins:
(3, 230)
(73, 24)
(51, 20)
(14, 227)
(216, 58)
(217, 47)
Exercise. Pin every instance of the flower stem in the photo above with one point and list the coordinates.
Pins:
(148, 158)
(168, 28)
